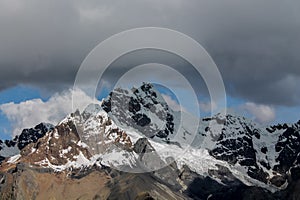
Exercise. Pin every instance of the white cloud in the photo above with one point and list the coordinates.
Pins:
(208, 106)
(30, 113)
(173, 104)
(261, 113)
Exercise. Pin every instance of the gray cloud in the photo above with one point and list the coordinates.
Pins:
(254, 43)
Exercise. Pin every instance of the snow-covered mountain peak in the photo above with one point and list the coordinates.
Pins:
(141, 108)
(134, 128)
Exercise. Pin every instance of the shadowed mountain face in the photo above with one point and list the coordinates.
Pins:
(83, 156)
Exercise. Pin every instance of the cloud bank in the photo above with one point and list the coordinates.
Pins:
(29, 113)
(254, 43)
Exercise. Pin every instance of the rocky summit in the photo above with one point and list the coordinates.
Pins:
(132, 145)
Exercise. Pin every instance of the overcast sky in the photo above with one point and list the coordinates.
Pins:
(255, 44)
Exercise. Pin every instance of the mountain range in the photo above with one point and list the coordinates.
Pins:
(132, 145)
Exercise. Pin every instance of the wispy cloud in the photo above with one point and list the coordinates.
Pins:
(174, 105)
(261, 113)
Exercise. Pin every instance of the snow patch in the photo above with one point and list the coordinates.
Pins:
(14, 159)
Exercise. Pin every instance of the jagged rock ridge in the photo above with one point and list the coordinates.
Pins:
(141, 108)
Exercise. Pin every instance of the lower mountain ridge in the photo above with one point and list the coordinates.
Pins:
(133, 146)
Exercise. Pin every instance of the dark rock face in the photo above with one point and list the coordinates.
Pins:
(242, 147)
(143, 146)
(288, 146)
(295, 173)
(141, 119)
(224, 174)
(278, 180)
(33, 134)
(292, 191)
(264, 150)
(288, 149)
(206, 188)
(148, 158)
(200, 187)
(27, 137)
(132, 107)
(11, 143)
(238, 147)
(236, 144)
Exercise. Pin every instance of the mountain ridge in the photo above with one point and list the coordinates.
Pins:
(136, 131)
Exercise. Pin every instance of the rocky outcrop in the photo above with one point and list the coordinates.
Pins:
(57, 147)
(148, 159)
(32, 135)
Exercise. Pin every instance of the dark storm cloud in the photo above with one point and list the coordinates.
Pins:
(255, 44)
